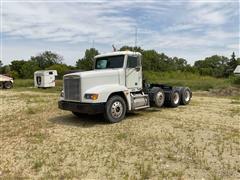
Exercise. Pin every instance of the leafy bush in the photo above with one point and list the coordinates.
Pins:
(235, 80)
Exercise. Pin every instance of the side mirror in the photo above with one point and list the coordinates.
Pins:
(137, 68)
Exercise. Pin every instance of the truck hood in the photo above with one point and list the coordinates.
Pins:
(96, 73)
(95, 79)
(99, 73)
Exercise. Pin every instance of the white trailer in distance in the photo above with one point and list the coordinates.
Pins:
(116, 87)
(45, 78)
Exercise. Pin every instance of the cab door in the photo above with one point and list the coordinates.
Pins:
(134, 73)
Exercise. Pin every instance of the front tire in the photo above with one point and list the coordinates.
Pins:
(115, 109)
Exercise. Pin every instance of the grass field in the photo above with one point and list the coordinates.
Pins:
(198, 141)
(28, 84)
(39, 141)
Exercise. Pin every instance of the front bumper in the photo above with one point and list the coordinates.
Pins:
(86, 108)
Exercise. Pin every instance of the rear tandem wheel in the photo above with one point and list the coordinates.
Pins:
(173, 98)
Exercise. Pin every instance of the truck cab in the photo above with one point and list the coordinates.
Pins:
(113, 87)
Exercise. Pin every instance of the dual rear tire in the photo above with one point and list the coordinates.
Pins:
(157, 97)
(186, 95)
(173, 98)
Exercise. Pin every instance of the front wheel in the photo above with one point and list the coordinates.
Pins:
(115, 109)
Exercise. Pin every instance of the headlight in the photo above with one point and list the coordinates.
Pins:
(91, 96)
(62, 94)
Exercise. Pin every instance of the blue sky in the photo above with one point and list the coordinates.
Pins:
(188, 29)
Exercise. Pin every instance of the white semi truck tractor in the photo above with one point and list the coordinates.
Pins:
(115, 86)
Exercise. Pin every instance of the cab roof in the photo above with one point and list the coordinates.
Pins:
(116, 53)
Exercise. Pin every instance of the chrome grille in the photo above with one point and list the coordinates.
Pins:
(72, 88)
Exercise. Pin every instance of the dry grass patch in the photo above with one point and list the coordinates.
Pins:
(39, 141)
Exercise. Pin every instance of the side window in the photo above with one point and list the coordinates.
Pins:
(101, 64)
(132, 62)
(50, 72)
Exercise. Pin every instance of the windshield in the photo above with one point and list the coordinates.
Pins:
(109, 62)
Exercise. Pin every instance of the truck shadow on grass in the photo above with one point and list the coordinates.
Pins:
(87, 121)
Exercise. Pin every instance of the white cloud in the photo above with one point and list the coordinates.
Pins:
(212, 12)
(62, 21)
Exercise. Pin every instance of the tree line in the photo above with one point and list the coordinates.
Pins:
(216, 66)
(24, 69)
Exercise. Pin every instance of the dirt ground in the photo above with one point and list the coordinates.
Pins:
(198, 141)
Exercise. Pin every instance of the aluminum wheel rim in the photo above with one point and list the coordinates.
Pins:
(160, 97)
(117, 109)
(176, 98)
(187, 96)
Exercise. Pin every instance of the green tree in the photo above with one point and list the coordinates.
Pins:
(191, 69)
(238, 61)
(154, 61)
(5, 70)
(166, 63)
(14, 74)
(179, 63)
(216, 66)
(16, 66)
(86, 63)
(28, 69)
(130, 48)
(47, 59)
(232, 63)
(150, 60)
